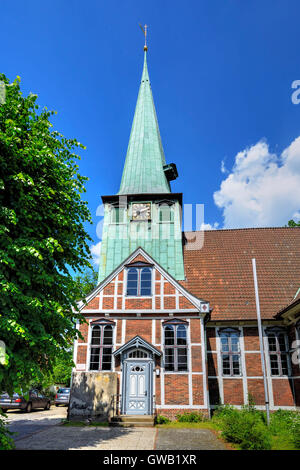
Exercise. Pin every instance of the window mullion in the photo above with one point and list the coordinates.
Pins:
(101, 347)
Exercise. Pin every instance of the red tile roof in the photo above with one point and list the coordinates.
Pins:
(295, 300)
(221, 271)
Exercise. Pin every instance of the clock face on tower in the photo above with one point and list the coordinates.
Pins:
(141, 211)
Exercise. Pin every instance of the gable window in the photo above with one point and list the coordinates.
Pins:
(139, 281)
(101, 347)
(278, 351)
(230, 351)
(175, 347)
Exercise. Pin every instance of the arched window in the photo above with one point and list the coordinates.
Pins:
(132, 281)
(175, 347)
(101, 347)
(230, 351)
(278, 351)
(139, 281)
(146, 275)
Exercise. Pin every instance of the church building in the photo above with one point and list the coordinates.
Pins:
(172, 326)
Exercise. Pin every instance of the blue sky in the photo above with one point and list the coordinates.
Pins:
(221, 74)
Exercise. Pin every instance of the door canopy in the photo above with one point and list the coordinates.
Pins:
(138, 343)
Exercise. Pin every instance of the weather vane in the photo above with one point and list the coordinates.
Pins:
(144, 29)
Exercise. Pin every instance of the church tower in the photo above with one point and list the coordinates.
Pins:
(144, 213)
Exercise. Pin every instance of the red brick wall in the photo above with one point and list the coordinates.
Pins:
(84, 329)
(169, 303)
(253, 365)
(256, 390)
(81, 354)
(157, 390)
(198, 394)
(185, 303)
(195, 331)
(233, 391)
(251, 339)
(196, 358)
(158, 332)
(282, 392)
(119, 332)
(176, 389)
(93, 304)
(108, 303)
(171, 414)
(142, 328)
(138, 304)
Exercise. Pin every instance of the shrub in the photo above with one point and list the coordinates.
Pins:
(6, 442)
(286, 423)
(190, 417)
(245, 427)
(162, 419)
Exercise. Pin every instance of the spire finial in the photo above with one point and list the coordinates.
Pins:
(144, 29)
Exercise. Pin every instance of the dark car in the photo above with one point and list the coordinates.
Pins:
(19, 402)
(62, 397)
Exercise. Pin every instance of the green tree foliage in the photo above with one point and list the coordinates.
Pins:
(42, 238)
(6, 441)
(292, 223)
(86, 282)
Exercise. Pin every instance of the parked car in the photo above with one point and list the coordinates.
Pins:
(62, 397)
(19, 402)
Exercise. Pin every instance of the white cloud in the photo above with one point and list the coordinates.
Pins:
(95, 252)
(209, 226)
(262, 189)
(223, 167)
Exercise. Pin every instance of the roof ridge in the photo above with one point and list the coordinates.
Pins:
(236, 229)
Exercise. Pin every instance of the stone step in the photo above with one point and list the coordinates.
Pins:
(135, 418)
(133, 421)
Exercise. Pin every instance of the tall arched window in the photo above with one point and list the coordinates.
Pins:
(139, 281)
(230, 351)
(101, 347)
(132, 281)
(278, 351)
(175, 347)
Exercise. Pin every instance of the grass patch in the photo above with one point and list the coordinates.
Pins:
(65, 422)
(181, 425)
(246, 428)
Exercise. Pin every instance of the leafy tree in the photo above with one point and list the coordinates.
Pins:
(86, 281)
(292, 223)
(62, 371)
(42, 238)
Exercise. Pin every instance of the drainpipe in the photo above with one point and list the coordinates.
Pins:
(262, 353)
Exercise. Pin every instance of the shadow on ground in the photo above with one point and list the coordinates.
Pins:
(88, 438)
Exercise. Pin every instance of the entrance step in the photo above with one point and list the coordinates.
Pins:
(133, 421)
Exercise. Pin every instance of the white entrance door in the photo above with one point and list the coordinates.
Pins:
(137, 387)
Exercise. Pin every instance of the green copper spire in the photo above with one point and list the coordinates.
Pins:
(143, 171)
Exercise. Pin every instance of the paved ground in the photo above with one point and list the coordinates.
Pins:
(41, 430)
(187, 439)
(90, 438)
(25, 424)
